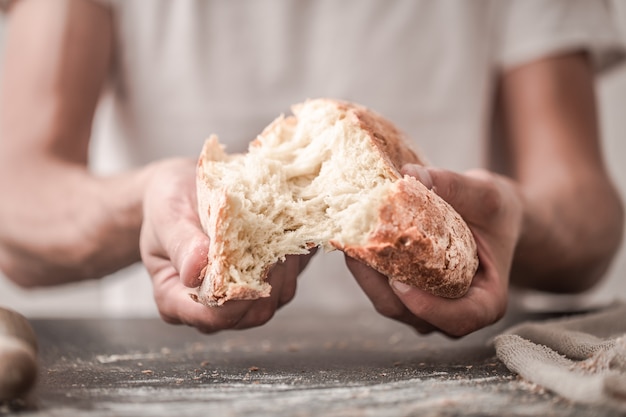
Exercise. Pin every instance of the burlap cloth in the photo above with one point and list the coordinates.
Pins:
(581, 357)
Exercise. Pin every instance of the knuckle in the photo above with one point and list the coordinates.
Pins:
(212, 323)
(204, 329)
(424, 330)
(264, 315)
(168, 318)
(419, 325)
(462, 328)
(500, 310)
(457, 331)
(479, 173)
(224, 323)
(287, 295)
(492, 201)
(391, 310)
(287, 291)
(255, 317)
(449, 190)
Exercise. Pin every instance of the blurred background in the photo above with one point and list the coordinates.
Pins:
(131, 296)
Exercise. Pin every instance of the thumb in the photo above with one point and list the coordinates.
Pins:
(419, 172)
(183, 245)
(188, 247)
(474, 195)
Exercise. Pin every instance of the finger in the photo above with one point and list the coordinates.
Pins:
(385, 301)
(484, 304)
(171, 228)
(292, 268)
(376, 287)
(455, 318)
(283, 279)
(263, 309)
(475, 196)
(305, 259)
(420, 172)
(260, 312)
(179, 239)
(289, 270)
(185, 245)
(177, 307)
(189, 248)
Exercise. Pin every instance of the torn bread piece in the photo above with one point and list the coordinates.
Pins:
(327, 176)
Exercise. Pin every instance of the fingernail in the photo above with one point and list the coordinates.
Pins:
(400, 287)
(419, 172)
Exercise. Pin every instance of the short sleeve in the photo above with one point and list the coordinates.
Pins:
(5, 5)
(527, 30)
(109, 4)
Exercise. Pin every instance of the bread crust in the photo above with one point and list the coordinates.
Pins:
(421, 241)
(418, 238)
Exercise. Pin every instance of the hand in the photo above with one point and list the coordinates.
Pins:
(174, 250)
(492, 207)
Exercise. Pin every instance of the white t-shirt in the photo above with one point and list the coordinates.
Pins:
(186, 69)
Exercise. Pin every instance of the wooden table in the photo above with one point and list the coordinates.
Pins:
(300, 364)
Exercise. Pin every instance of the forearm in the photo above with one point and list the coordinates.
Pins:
(66, 224)
(59, 223)
(573, 216)
(570, 234)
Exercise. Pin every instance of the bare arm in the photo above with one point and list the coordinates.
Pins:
(59, 223)
(573, 218)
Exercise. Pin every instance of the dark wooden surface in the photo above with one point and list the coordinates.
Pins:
(297, 365)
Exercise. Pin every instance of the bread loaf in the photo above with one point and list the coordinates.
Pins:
(327, 176)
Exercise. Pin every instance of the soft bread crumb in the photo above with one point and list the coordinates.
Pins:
(299, 186)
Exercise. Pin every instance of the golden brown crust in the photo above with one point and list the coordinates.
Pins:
(420, 240)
